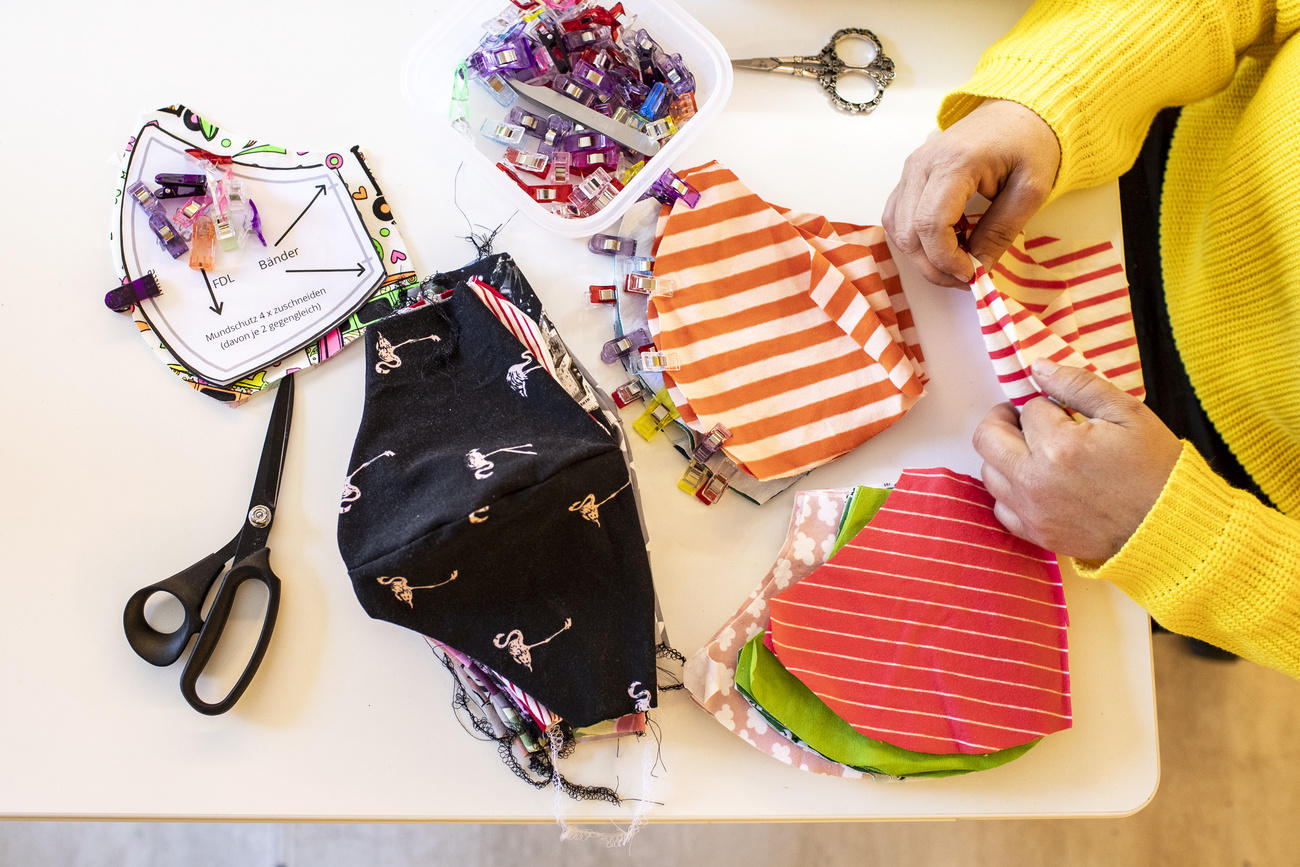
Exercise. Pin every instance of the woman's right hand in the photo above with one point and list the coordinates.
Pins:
(1001, 150)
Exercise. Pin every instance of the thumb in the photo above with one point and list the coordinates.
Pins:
(1006, 216)
(1083, 391)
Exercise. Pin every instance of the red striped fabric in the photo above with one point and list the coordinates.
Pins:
(791, 330)
(1064, 301)
(934, 629)
(514, 319)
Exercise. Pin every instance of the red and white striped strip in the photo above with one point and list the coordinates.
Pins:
(1066, 302)
(524, 329)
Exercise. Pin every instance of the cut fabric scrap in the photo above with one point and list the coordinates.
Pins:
(1064, 301)
(710, 673)
(761, 677)
(934, 630)
(791, 330)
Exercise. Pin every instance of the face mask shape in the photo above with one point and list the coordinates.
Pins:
(504, 522)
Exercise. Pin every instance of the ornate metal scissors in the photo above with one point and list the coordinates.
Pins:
(249, 559)
(868, 60)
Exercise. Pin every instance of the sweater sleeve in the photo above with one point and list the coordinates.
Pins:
(1098, 71)
(1213, 562)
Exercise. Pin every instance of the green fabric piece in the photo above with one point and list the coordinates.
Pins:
(862, 507)
(782, 696)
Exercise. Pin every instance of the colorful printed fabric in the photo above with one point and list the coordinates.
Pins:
(791, 705)
(934, 630)
(1063, 301)
(791, 330)
(710, 673)
(185, 128)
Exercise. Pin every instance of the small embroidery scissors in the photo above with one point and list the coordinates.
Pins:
(249, 559)
(851, 51)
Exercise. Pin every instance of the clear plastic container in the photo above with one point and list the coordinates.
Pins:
(427, 84)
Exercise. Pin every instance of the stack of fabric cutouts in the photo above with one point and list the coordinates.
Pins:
(903, 631)
(790, 330)
(491, 507)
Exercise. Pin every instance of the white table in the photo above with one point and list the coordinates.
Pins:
(119, 474)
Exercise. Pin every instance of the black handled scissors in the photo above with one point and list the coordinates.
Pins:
(249, 559)
(851, 51)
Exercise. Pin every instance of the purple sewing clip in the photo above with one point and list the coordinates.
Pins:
(119, 300)
(173, 186)
(168, 238)
(256, 223)
(591, 158)
(669, 188)
(574, 89)
(584, 140)
(611, 245)
(509, 55)
(674, 72)
(597, 79)
(533, 124)
(619, 347)
(712, 441)
(556, 128)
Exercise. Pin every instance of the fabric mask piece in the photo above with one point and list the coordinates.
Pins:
(710, 673)
(934, 630)
(503, 525)
(790, 330)
(1061, 300)
(761, 677)
(333, 260)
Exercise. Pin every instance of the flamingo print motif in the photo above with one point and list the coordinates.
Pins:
(404, 591)
(388, 359)
(482, 467)
(522, 653)
(517, 375)
(640, 697)
(351, 493)
(590, 509)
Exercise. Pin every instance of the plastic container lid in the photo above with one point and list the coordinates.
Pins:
(427, 83)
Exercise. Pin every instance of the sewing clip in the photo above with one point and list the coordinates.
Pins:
(174, 186)
(628, 392)
(620, 347)
(657, 362)
(120, 299)
(602, 295)
(612, 245)
(658, 415)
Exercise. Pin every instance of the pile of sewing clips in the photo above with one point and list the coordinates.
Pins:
(595, 60)
(709, 470)
(215, 213)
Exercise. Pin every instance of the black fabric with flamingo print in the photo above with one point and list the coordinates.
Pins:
(497, 519)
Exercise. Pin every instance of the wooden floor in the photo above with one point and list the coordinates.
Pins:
(1229, 795)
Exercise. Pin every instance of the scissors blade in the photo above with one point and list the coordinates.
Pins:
(758, 64)
(266, 486)
(588, 117)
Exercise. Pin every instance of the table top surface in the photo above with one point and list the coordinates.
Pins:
(120, 475)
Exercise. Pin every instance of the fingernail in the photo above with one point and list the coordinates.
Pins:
(1044, 367)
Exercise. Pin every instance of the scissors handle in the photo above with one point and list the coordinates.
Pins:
(190, 587)
(254, 567)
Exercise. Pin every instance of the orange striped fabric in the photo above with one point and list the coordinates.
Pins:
(790, 329)
(1064, 301)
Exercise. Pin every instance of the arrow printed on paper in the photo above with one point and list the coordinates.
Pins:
(216, 305)
(358, 270)
(320, 191)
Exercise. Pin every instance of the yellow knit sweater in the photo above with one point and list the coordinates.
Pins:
(1208, 560)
